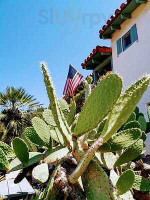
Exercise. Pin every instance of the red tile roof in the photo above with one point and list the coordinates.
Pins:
(113, 17)
(98, 49)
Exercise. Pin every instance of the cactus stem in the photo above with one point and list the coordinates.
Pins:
(87, 157)
(54, 106)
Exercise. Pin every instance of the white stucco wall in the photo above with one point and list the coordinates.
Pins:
(134, 62)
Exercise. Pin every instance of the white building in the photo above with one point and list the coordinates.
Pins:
(129, 32)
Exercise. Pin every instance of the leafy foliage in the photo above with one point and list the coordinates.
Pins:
(17, 109)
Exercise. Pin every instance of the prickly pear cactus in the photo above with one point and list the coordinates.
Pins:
(41, 173)
(132, 117)
(111, 139)
(7, 150)
(31, 146)
(41, 129)
(142, 122)
(21, 150)
(121, 140)
(51, 192)
(131, 153)
(48, 117)
(34, 157)
(4, 164)
(56, 155)
(125, 182)
(72, 113)
(96, 183)
(124, 107)
(56, 135)
(141, 184)
(64, 107)
(32, 136)
(132, 124)
(101, 126)
(107, 160)
(55, 107)
(99, 103)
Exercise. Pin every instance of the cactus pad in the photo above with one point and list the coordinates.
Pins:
(31, 146)
(96, 183)
(124, 107)
(132, 124)
(132, 117)
(101, 126)
(56, 135)
(107, 160)
(51, 192)
(31, 135)
(41, 173)
(63, 105)
(99, 103)
(87, 89)
(7, 150)
(131, 153)
(4, 164)
(41, 129)
(121, 140)
(72, 113)
(143, 123)
(21, 150)
(34, 157)
(56, 154)
(48, 117)
(125, 182)
(141, 184)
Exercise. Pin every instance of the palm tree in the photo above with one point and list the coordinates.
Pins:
(17, 108)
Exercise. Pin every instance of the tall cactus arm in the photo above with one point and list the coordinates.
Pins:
(85, 161)
(54, 106)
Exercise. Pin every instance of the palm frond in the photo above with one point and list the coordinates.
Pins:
(17, 97)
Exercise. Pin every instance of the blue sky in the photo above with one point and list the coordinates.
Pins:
(58, 32)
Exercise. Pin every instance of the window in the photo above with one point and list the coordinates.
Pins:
(127, 40)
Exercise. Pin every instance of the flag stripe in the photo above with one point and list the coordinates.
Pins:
(72, 82)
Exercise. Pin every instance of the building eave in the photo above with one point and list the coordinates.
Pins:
(98, 55)
(120, 15)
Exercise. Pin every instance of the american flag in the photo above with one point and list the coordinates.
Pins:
(72, 82)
